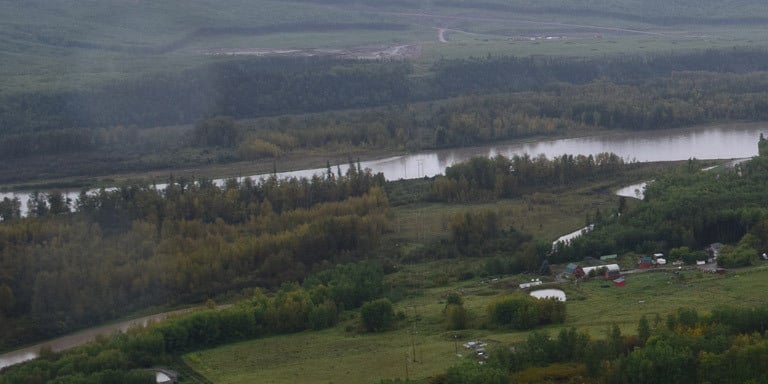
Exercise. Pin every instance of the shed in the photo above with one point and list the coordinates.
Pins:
(620, 282)
(574, 270)
(609, 257)
(646, 262)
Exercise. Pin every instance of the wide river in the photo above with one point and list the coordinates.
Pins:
(727, 141)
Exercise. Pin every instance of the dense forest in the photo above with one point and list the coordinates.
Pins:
(462, 102)
(247, 88)
(686, 211)
(135, 247)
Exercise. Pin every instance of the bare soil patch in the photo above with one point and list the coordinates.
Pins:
(395, 52)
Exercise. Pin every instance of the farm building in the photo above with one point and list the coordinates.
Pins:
(574, 270)
(646, 262)
(612, 271)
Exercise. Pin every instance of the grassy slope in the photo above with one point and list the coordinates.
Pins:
(336, 355)
(342, 354)
(73, 43)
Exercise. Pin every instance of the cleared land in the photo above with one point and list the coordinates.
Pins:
(338, 355)
(44, 49)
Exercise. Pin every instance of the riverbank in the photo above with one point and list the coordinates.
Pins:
(713, 141)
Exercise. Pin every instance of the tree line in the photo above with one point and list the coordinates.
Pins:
(125, 357)
(248, 88)
(685, 347)
(480, 178)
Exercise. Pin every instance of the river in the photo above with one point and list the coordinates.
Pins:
(727, 141)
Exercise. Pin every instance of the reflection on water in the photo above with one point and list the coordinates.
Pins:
(668, 145)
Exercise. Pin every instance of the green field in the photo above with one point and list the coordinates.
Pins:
(342, 354)
(55, 45)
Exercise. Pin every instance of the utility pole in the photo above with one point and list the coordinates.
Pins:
(406, 366)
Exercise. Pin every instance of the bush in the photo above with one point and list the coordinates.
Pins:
(377, 315)
(456, 316)
(525, 312)
(473, 373)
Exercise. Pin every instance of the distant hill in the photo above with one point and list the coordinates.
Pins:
(64, 44)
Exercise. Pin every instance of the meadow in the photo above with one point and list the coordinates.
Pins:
(421, 346)
(50, 46)
(344, 354)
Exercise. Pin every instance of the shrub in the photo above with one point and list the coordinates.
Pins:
(525, 312)
(377, 315)
(456, 316)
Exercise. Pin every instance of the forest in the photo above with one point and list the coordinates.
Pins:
(463, 102)
(314, 245)
(688, 210)
(185, 243)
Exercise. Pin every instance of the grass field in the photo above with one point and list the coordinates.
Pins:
(54, 45)
(342, 354)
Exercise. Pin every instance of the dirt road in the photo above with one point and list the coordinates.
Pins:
(80, 338)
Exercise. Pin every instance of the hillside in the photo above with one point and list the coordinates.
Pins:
(69, 44)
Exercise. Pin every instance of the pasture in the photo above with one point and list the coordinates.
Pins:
(344, 354)
(55, 45)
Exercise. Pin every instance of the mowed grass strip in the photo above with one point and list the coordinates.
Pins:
(342, 354)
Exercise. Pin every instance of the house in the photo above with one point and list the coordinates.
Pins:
(646, 262)
(620, 282)
(574, 270)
